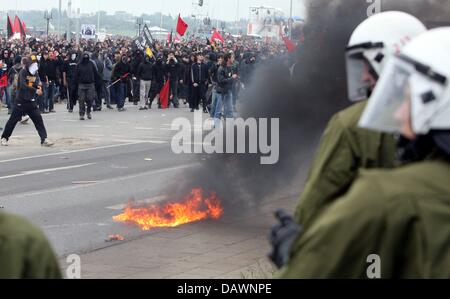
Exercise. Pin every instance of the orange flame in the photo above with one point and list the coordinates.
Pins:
(194, 208)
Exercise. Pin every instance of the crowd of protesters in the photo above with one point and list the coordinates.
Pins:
(100, 75)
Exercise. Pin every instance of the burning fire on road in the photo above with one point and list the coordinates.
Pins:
(195, 207)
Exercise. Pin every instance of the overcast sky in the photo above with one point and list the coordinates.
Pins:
(225, 9)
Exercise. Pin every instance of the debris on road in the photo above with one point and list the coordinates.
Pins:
(113, 238)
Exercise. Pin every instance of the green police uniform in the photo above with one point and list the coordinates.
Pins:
(401, 215)
(344, 149)
(25, 251)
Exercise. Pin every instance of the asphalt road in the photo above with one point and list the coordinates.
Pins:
(73, 190)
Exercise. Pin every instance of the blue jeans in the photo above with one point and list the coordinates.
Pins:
(212, 110)
(118, 93)
(223, 100)
(42, 99)
(7, 97)
(48, 100)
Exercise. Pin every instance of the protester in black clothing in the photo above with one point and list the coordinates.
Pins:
(199, 75)
(42, 100)
(51, 74)
(145, 76)
(86, 76)
(159, 79)
(99, 84)
(29, 88)
(69, 80)
(13, 80)
(186, 79)
(173, 74)
(120, 75)
(247, 67)
(137, 59)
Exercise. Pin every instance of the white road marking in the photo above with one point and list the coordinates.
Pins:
(71, 152)
(31, 172)
(143, 128)
(155, 199)
(142, 141)
(114, 180)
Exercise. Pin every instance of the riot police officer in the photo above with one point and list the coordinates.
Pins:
(393, 223)
(345, 148)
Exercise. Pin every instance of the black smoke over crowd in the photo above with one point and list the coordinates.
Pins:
(303, 98)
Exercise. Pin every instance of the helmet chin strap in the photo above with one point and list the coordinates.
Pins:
(415, 150)
(425, 145)
(442, 139)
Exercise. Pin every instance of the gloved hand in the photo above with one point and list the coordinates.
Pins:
(282, 237)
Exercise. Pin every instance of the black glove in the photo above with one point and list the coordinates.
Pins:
(282, 237)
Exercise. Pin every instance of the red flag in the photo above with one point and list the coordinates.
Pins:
(216, 35)
(181, 26)
(291, 47)
(24, 26)
(4, 81)
(16, 25)
(10, 27)
(164, 95)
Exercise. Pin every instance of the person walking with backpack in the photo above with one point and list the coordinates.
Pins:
(13, 80)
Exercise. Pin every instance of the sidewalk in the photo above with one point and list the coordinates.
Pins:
(229, 249)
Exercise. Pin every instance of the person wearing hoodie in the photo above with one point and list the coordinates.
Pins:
(106, 77)
(158, 80)
(145, 76)
(69, 69)
(86, 77)
(98, 86)
(173, 74)
(120, 73)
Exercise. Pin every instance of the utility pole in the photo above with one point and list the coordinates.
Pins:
(77, 16)
(98, 18)
(59, 19)
(140, 22)
(69, 16)
(291, 21)
(48, 16)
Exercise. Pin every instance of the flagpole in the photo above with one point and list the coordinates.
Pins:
(59, 19)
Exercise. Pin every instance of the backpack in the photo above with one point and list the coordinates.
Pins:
(15, 81)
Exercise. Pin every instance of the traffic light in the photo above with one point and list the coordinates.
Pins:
(200, 2)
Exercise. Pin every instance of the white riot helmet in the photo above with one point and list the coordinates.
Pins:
(373, 43)
(420, 77)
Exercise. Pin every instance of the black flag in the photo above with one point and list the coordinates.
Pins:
(10, 28)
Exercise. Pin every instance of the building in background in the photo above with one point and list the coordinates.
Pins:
(266, 22)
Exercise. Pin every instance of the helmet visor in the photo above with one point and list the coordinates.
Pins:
(358, 88)
(391, 93)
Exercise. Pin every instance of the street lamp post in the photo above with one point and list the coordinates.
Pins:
(59, 18)
(69, 16)
(291, 21)
(77, 16)
(139, 22)
(48, 16)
